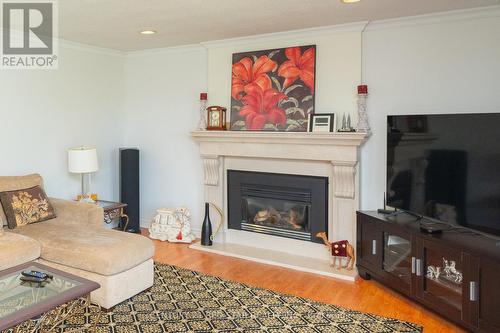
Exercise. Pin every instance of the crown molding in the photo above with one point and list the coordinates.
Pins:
(63, 43)
(447, 16)
(300, 33)
(67, 44)
(441, 17)
(166, 50)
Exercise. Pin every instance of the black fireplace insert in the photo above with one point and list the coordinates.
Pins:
(284, 205)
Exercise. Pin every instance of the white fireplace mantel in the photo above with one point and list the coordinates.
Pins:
(340, 149)
(307, 146)
(332, 155)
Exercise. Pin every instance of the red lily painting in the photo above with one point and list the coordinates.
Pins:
(246, 72)
(261, 107)
(298, 66)
(273, 90)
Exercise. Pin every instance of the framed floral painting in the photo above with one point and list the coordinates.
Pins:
(273, 90)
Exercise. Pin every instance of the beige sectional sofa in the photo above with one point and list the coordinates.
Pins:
(76, 241)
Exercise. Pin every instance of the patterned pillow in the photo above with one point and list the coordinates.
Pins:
(26, 206)
(11, 183)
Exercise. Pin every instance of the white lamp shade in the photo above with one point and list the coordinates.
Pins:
(82, 160)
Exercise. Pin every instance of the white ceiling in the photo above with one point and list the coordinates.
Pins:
(115, 23)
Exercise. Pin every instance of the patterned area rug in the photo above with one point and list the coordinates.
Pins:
(182, 300)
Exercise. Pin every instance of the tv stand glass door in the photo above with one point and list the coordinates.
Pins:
(397, 259)
(441, 278)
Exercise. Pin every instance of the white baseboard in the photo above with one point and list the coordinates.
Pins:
(145, 223)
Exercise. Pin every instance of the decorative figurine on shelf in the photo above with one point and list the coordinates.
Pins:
(448, 271)
(216, 118)
(346, 124)
(433, 272)
(339, 250)
(173, 225)
(202, 125)
(451, 272)
(363, 125)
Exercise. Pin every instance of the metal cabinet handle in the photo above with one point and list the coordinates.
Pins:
(419, 267)
(473, 295)
(374, 247)
(413, 265)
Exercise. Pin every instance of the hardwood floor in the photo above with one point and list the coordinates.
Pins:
(366, 296)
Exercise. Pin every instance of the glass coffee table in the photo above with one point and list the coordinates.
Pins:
(30, 307)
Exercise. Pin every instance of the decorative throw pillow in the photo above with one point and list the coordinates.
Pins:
(26, 206)
(11, 183)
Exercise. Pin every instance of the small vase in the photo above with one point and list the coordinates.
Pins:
(206, 228)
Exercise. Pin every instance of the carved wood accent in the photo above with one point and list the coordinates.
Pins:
(211, 170)
(344, 179)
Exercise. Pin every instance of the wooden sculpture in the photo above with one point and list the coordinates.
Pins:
(339, 250)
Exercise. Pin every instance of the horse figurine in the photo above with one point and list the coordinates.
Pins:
(450, 269)
(340, 249)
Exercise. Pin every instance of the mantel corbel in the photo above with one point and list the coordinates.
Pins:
(344, 179)
(211, 170)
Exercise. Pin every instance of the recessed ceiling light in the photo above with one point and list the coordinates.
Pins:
(147, 32)
(350, 1)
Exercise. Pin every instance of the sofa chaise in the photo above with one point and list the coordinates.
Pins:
(77, 242)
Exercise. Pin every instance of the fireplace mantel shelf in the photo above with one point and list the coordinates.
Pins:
(340, 149)
(330, 139)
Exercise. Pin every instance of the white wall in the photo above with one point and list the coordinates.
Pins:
(161, 109)
(45, 112)
(450, 67)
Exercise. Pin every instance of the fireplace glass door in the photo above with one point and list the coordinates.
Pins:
(283, 205)
(276, 211)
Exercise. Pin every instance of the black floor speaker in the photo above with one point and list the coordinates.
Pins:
(129, 186)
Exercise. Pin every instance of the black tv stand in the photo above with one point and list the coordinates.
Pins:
(454, 272)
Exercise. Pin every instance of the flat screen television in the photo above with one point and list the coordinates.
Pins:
(446, 167)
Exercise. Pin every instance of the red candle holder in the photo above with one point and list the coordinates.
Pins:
(362, 89)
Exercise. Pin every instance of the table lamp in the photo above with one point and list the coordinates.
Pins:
(83, 160)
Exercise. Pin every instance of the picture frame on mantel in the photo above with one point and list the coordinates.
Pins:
(273, 90)
(322, 123)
